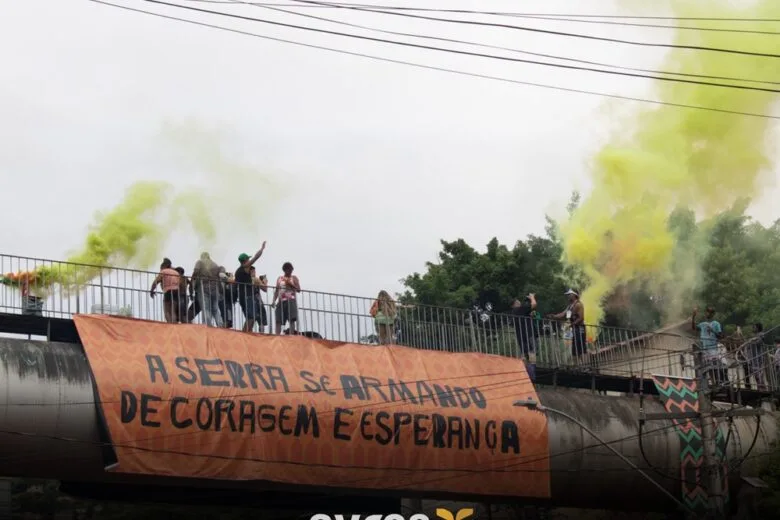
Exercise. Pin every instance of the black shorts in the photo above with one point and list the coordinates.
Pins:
(254, 310)
(579, 345)
(171, 300)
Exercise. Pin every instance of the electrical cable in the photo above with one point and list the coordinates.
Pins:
(461, 52)
(440, 479)
(515, 14)
(495, 47)
(725, 452)
(655, 470)
(458, 470)
(640, 440)
(750, 449)
(547, 17)
(521, 462)
(513, 373)
(547, 31)
(375, 406)
(649, 26)
(440, 69)
(471, 469)
(730, 420)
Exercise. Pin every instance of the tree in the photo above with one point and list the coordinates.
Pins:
(467, 279)
(483, 285)
(727, 262)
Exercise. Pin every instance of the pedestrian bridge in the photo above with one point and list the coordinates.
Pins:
(58, 425)
(39, 298)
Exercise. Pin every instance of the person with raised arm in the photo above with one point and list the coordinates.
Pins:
(246, 293)
(710, 331)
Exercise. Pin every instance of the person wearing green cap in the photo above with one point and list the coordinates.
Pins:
(243, 281)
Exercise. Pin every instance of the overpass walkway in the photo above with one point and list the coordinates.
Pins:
(39, 298)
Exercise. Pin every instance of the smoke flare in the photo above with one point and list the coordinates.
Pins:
(667, 158)
(134, 232)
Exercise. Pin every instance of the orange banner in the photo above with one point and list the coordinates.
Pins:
(192, 401)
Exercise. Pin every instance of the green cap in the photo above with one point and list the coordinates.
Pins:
(243, 257)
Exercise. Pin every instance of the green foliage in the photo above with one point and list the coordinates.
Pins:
(727, 262)
(465, 277)
(739, 273)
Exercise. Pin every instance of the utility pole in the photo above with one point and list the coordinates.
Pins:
(713, 478)
(713, 469)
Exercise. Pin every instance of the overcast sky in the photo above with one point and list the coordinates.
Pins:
(373, 162)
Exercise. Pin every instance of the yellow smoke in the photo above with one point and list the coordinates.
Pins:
(131, 233)
(670, 157)
(222, 193)
(225, 192)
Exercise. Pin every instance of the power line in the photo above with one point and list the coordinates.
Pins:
(460, 52)
(470, 469)
(440, 69)
(546, 31)
(497, 47)
(514, 380)
(651, 26)
(549, 17)
(531, 459)
(510, 13)
(537, 459)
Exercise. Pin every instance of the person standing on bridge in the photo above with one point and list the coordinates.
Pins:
(384, 313)
(755, 352)
(287, 288)
(710, 331)
(206, 279)
(259, 284)
(574, 314)
(184, 285)
(527, 331)
(169, 278)
(245, 287)
(775, 379)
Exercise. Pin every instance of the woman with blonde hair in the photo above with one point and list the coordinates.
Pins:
(384, 313)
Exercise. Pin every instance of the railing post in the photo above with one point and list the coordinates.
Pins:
(358, 328)
(102, 307)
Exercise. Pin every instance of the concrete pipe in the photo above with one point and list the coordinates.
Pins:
(50, 429)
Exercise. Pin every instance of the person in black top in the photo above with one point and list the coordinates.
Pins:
(244, 286)
(526, 331)
(258, 285)
(227, 300)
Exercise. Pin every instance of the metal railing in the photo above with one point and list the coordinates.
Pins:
(60, 290)
(753, 364)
